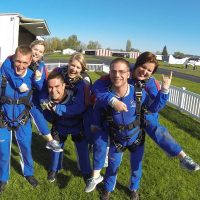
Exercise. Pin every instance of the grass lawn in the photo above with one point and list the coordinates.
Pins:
(163, 179)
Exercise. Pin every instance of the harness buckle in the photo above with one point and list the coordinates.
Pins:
(9, 101)
(23, 120)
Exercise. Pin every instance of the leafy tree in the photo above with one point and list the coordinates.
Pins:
(73, 42)
(128, 46)
(93, 45)
(178, 54)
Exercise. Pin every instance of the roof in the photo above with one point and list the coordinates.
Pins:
(37, 27)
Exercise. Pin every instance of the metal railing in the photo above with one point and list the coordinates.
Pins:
(184, 100)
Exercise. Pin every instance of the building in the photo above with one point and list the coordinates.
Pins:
(16, 30)
(106, 52)
(68, 51)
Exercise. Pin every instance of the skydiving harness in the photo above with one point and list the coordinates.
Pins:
(33, 66)
(138, 122)
(23, 117)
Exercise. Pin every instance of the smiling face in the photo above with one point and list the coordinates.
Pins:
(144, 71)
(119, 74)
(74, 69)
(56, 88)
(38, 52)
(21, 63)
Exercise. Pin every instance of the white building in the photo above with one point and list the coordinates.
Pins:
(107, 52)
(16, 30)
(173, 60)
(68, 51)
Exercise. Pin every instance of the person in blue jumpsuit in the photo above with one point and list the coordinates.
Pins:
(65, 112)
(14, 116)
(38, 67)
(123, 127)
(79, 59)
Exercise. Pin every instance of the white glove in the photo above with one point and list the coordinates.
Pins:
(23, 88)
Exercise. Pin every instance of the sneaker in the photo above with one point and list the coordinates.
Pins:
(134, 195)
(105, 195)
(51, 176)
(92, 182)
(54, 146)
(2, 186)
(32, 180)
(189, 164)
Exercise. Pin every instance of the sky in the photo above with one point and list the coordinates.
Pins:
(148, 24)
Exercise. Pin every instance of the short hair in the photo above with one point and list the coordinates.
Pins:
(80, 58)
(122, 60)
(24, 50)
(38, 42)
(146, 57)
(55, 74)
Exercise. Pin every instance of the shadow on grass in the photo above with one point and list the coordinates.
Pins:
(42, 156)
(182, 121)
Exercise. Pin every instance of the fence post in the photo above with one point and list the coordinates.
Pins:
(182, 98)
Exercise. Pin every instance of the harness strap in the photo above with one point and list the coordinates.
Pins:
(33, 66)
(23, 117)
(138, 142)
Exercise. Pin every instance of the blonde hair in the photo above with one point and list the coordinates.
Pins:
(38, 42)
(80, 58)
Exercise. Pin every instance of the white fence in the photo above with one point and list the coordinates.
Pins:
(91, 67)
(184, 100)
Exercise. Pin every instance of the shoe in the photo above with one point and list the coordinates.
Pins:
(51, 176)
(54, 146)
(105, 195)
(92, 182)
(189, 164)
(134, 195)
(2, 186)
(32, 180)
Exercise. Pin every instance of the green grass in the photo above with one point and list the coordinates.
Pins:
(178, 82)
(180, 68)
(162, 179)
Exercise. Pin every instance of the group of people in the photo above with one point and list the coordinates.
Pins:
(112, 115)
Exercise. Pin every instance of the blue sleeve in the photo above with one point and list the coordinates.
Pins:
(96, 118)
(76, 105)
(156, 98)
(7, 68)
(100, 89)
(158, 103)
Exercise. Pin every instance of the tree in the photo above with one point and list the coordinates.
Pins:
(179, 54)
(93, 45)
(73, 42)
(128, 46)
(165, 54)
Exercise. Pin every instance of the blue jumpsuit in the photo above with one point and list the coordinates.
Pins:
(67, 120)
(23, 133)
(157, 132)
(36, 111)
(126, 137)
